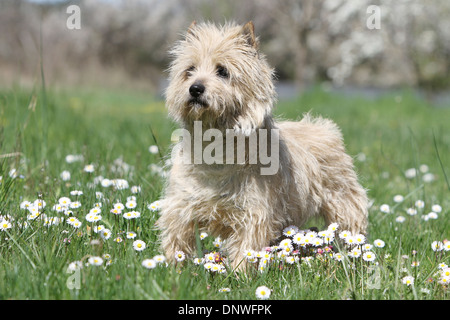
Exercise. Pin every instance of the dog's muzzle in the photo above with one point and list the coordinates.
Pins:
(196, 91)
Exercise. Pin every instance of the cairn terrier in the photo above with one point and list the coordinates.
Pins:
(221, 85)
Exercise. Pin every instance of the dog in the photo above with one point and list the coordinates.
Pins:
(221, 84)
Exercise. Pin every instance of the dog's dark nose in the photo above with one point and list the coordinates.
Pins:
(197, 89)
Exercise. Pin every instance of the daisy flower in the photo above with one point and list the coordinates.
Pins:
(128, 215)
(149, 263)
(116, 211)
(95, 210)
(411, 211)
(139, 245)
(290, 231)
(155, 206)
(89, 168)
(179, 256)
(203, 235)
(216, 268)
(291, 259)
(367, 247)
(344, 234)
(385, 208)
(286, 243)
(415, 264)
(98, 228)
(437, 246)
(436, 208)
(118, 240)
(131, 235)
(39, 204)
(75, 205)
(442, 265)
(65, 175)
(419, 204)
(198, 261)
(317, 242)
(105, 234)
(398, 198)
(153, 149)
(159, 258)
(444, 280)
(120, 184)
(224, 290)
(447, 246)
(209, 257)
(410, 173)
(311, 235)
(91, 217)
(338, 256)
(400, 219)
(135, 189)
(76, 193)
(408, 280)
(297, 238)
(77, 224)
(64, 201)
(350, 240)
(355, 253)
(71, 220)
(379, 243)
(432, 215)
(95, 261)
(218, 242)
(359, 239)
(445, 272)
(208, 265)
(333, 227)
(119, 206)
(368, 256)
(262, 292)
(329, 238)
(25, 205)
(4, 225)
(131, 204)
(75, 265)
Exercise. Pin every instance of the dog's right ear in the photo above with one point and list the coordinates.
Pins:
(248, 30)
(190, 30)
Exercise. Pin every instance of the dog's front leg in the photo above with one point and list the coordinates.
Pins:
(255, 236)
(175, 235)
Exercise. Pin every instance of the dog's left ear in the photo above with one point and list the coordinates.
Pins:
(191, 27)
(248, 30)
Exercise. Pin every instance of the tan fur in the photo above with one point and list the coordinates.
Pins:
(234, 201)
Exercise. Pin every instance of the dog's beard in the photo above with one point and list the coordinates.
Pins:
(197, 103)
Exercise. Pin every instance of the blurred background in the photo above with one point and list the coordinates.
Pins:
(124, 43)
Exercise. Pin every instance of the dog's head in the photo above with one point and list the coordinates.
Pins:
(219, 77)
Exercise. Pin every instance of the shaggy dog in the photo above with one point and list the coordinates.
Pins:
(222, 86)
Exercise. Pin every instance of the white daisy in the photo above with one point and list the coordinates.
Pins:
(368, 256)
(139, 245)
(263, 293)
(379, 243)
(149, 263)
(95, 261)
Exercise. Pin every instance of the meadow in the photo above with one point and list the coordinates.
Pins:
(82, 171)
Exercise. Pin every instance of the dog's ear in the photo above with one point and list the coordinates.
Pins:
(248, 30)
(190, 30)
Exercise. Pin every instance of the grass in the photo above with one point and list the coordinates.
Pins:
(113, 131)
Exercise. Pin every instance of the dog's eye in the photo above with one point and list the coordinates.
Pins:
(189, 70)
(222, 72)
